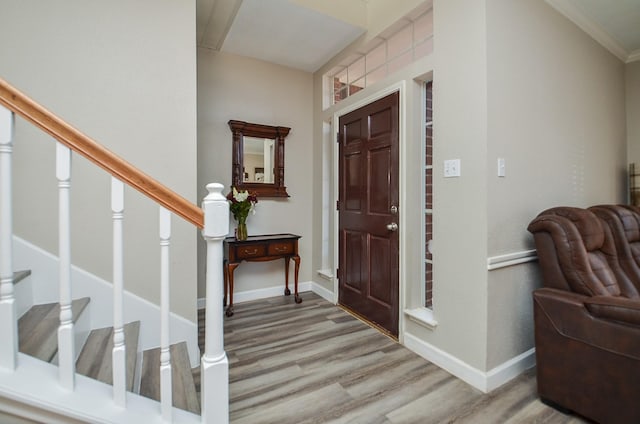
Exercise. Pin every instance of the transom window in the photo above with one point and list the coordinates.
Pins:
(409, 40)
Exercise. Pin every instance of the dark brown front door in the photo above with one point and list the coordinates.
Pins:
(367, 205)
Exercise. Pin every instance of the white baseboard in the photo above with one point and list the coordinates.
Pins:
(511, 369)
(484, 381)
(328, 295)
(44, 277)
(249, 295)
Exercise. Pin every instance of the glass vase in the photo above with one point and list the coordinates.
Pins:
(241, 231)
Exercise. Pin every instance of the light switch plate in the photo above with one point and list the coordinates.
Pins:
(452, 168)
(501, 171)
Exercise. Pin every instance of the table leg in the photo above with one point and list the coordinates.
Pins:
(230, 269)
(287, 292)
(296, 259)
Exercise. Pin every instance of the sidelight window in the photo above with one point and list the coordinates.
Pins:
(428, 195)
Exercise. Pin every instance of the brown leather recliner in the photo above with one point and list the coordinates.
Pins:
(624, 223)
(587, 316)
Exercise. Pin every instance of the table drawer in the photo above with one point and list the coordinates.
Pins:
(281, 248)
(251, 251)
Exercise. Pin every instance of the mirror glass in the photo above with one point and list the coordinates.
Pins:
(258, 160)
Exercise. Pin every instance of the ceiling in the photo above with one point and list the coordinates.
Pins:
(296, 34)
(278, 31)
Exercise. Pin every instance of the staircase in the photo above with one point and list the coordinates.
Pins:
(54, 367)
(37, 333)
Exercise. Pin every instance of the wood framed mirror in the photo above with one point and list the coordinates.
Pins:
(258, 158)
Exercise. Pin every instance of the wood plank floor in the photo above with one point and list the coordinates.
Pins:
(315, 363)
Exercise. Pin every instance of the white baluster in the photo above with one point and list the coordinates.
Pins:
(119, 358)
(66, 354)
(9, 327)
(165, 355)
(215, 366)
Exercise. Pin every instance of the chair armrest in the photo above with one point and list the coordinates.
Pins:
(567, 313)
(615, 308)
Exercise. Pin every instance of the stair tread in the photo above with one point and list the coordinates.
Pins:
(184, 391)
(20, 275)
(38, 328)
(96, 358)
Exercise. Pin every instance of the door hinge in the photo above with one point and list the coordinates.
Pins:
(338, 137)
(338, 273)
(337, 205)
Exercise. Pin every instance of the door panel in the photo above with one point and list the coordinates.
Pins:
(381, 123)
(380, 288)
(353, 260)
(353, 183)
(379, 164)
(368, 180)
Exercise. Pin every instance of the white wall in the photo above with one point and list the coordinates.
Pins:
(556, 113)
(124, 73)
(632, 72)
(240, 88)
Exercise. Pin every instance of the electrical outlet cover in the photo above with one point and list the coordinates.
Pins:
(452, 168)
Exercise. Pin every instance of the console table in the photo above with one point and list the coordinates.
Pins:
(258, 249)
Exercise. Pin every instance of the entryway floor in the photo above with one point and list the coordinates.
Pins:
(315, 363)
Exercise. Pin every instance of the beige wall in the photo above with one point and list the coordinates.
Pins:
(460, 221)
(235, 87)
(556, 113)
(460, 307)
(382, 13)
(125, 74)
(512, 80)
(632, 71)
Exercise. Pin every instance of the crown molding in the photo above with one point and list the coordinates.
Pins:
(592, 28)
(633, 56)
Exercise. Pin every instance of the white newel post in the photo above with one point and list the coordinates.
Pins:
(9, 326)
(215, 366)
(119, 356)
(66, 354)
(166, 403)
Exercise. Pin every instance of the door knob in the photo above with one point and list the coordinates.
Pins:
(392, 227)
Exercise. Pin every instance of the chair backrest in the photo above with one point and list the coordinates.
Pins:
(577, 253)
(624, 223)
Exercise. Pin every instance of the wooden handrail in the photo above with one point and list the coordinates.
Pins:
(21, 104)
